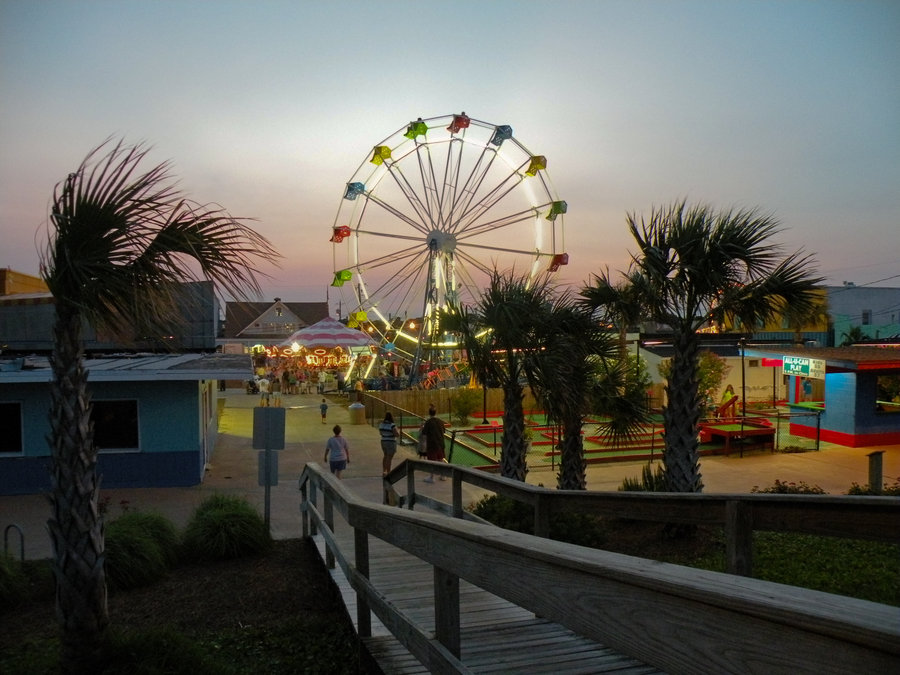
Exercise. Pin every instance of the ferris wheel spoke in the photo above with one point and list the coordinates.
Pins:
(407, 276)
(372, 263)
(490, 200)
(464, 196)
(420, 206)
(503, 249)
(474, 262)
(397, 213)
(493, 226)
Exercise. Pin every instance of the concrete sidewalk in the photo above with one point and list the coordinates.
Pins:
(233, 469)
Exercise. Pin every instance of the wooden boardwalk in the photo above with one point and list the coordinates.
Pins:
(496, 636)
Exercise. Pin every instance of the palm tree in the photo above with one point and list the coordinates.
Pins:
(615, 303)
(853, 336)
(500, 335)
(695, 266)
(117, 249)
(578, 372)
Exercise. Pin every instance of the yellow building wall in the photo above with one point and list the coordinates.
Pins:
(12, 283)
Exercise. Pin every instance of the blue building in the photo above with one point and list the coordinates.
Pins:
(155, 418)
(855, 390)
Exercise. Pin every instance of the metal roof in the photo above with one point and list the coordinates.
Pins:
(874, 357)
(139, 368)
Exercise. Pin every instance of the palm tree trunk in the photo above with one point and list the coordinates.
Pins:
(512, 454)
(682, 418)
(76, 528)
(572, 464)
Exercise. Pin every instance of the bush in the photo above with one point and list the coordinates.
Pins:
(225, 527)
(650, 481)
(140, 548)
(156, 651)
(12, 581)
(463, 402)
(785, 488)
(866, 490)
(793, 449)
(573, 528)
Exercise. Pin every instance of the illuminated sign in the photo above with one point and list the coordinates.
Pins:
(803, 367)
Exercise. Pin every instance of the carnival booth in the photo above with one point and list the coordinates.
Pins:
(330, 345)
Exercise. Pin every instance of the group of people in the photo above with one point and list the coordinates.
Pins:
(431, 442)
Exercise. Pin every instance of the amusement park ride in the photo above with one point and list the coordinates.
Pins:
(430, 214)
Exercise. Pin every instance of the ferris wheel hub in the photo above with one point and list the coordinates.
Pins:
(441, 242)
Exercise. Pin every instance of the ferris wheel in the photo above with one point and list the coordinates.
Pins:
(430, 214)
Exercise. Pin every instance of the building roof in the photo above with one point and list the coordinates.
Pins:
(262, 320)
(137, 367)
(873, 357)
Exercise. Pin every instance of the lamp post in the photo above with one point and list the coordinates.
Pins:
(743, 379)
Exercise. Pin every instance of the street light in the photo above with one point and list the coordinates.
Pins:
(743, 380)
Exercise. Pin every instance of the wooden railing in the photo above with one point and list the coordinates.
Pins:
(675, 618)
(870, 518)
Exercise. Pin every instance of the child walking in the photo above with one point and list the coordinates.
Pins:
(323, 408)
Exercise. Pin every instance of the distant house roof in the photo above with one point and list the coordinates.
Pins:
(137, 367)
(270, 320)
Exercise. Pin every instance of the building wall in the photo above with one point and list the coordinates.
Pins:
(876, 310)
(27, 325)
(12, 282)
(174, 430)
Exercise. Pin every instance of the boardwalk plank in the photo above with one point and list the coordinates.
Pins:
(496, 635)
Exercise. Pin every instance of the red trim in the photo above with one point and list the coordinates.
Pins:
(845, 439)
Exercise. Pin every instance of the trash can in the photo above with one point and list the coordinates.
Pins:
(357, 413)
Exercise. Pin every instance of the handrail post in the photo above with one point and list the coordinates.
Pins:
(329, 523)
(541, 516)
(446, 610)
(456, 490)
(363, 614)
(876, 471)
(314, 500)
(410, 485)
(738, 538)
(304, 514)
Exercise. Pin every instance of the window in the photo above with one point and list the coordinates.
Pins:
(867, 317)
(10, 427)
(887, 398)
(115, 425)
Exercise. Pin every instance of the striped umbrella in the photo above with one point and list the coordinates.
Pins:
(328, 333)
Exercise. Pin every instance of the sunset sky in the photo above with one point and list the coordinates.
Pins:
(269, 107)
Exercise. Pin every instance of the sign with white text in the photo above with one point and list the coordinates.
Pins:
(804, 367)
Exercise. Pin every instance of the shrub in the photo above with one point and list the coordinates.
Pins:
(12, 581)
(140, 548)
(866, 490)
(793, 449)
(225, 527)
(156, 651)
(463, 402)
(573, 528)
(650, 481)
(790, 488)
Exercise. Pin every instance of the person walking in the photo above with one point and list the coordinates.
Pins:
(263, 385)
(433, 430)
(337, 452)
(389, 435)
(323, 408)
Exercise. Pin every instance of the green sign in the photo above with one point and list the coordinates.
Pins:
(804, 367)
